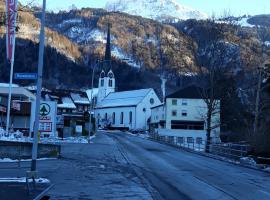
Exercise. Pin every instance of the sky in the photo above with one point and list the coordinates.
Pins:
(235, 7)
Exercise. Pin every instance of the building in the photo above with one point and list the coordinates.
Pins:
(20, 112)
(123, 110)
(157, 117)
(185, 115)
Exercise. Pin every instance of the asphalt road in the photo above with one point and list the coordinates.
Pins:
(122, 166)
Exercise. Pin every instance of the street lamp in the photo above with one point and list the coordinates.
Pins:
(91, 96)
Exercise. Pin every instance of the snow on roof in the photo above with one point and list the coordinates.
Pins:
(77, 98)
(127, 98)
(66, 103)
(95, 93)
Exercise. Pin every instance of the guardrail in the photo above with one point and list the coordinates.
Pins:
(228, 150)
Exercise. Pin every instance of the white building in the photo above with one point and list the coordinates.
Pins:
(185, 115)
(128, 109)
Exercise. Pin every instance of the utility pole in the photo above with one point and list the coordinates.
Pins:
(255, 125)
(39, 86)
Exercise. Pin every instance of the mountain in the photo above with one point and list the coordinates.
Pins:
(161, 10)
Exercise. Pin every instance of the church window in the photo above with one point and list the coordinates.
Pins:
(106, 116)
(152, 101)
(102, 82)
(130, 117)
(110, 83)
(113, 118)
(122, 118)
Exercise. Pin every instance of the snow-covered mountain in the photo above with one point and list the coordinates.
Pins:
(161, 10)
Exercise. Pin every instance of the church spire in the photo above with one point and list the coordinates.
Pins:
(108, 45)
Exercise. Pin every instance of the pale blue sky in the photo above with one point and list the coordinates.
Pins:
(236, 7)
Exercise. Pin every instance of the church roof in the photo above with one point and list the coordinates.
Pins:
(124, 99)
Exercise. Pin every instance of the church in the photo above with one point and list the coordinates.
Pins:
(126, 109)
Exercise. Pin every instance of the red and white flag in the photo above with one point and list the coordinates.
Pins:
(11, 15)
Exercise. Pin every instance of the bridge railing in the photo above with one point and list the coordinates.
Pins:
(228, 150)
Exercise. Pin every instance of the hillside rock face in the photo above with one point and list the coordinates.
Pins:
(161, 10)
(145, 46)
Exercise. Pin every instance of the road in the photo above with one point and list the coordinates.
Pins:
(122, 166)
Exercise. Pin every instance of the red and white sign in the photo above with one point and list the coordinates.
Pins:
(11, 15)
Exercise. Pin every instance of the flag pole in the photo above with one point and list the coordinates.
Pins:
(10, 38)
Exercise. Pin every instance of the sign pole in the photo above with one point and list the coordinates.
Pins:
(11, 15)
(39, 87)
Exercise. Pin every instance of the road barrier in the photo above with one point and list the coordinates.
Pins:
(228, 150)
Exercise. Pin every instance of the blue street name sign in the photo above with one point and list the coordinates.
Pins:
(26, 76)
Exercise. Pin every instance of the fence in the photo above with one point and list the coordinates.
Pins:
(228, 150)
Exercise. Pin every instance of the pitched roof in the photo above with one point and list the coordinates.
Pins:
(66, 103)
(124, 99)
(190, 92)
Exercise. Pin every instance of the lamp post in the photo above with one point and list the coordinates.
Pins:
(91, 99)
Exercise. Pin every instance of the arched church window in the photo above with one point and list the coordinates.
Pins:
(110, 83)
(102, 83)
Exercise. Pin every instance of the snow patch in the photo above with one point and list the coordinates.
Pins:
(161, 10)
(118, 53)
(23, 180)
(248, 161)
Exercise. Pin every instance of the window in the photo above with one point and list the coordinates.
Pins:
(190, 140)
(102, 82)
(184, 102)
(199, 140)
(110, 83)
(174, 102)
(180, 140)
(106, 116)
(122, 118)
(174, 113)
(130, 117)
(184, 113)
(187, 125)
(113, 118)
(152, 101)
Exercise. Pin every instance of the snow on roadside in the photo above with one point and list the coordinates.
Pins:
(8, 160)
(52, 140)
(23, 180)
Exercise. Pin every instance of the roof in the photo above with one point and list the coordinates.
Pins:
(88, 93)
(16, 91)
(79, 99)
(66, 103)
(190, 92)
(160, 105)
(124, 99)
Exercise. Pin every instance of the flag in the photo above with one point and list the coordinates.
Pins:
(11, 15)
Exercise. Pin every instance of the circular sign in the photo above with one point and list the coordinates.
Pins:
(45, 109)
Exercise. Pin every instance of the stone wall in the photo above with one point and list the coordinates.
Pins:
(22, 150)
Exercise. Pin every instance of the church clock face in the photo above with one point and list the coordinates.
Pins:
(110, 75)
(102, 75)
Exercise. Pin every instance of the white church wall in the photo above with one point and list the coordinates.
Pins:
(144, 109)
(117, 110)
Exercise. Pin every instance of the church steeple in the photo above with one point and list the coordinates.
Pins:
(108, 45)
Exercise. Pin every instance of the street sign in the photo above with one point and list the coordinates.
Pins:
(47, 118)
(26, 76)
